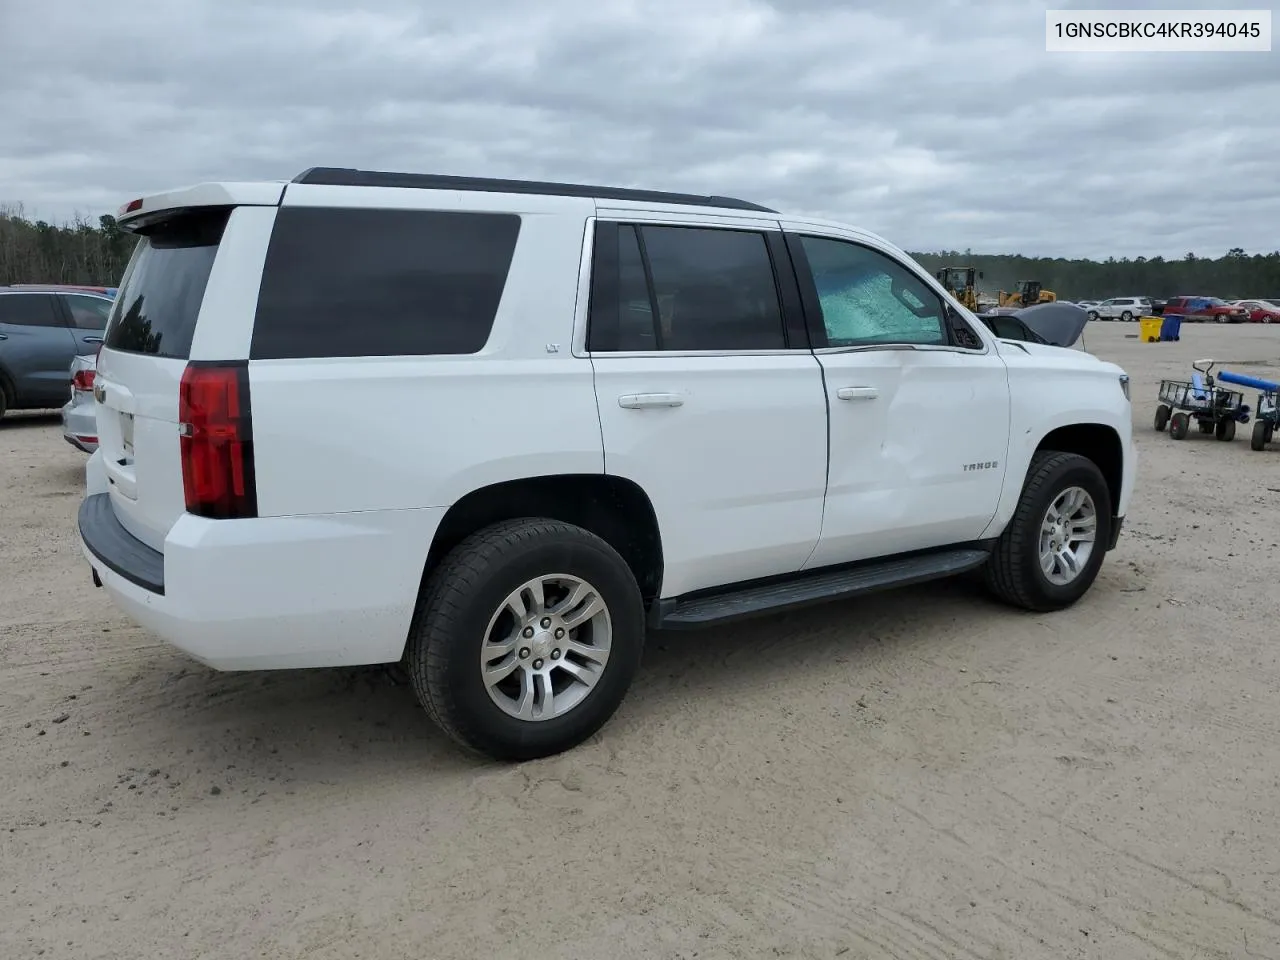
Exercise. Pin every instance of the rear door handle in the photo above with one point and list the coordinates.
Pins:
(639, 401)
(91, 339)
(857, 393)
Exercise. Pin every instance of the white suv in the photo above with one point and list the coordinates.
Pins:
(1121, 308)
(495, 430)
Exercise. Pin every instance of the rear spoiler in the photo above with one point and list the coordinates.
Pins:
(143, 211)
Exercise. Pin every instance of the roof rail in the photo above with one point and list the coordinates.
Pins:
(349, 177)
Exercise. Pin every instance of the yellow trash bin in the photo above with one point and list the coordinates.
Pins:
(1149, 329)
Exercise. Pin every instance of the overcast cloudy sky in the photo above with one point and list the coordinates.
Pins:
(940, 124)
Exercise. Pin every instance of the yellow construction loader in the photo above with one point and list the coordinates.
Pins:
(1028, 293)
(959, 282)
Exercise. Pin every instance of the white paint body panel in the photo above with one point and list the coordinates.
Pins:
(285, 592)
(897, 480)
(735, 473)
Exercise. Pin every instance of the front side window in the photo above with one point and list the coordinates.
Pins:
(28, 310)
(868, 298)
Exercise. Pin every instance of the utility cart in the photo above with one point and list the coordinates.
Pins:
(1215, 409)
(1267, 417)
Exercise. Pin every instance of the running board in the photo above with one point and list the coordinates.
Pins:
(818, 587)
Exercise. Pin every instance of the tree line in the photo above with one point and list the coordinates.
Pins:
(35, 251)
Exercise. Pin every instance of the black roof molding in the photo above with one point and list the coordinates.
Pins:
(348, 177)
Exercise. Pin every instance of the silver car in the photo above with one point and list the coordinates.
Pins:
(79, 417)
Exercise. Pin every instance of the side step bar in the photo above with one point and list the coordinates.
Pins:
(683, 613)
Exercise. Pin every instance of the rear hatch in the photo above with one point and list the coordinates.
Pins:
(146, 349)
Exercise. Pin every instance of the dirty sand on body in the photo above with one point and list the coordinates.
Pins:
(921, 774)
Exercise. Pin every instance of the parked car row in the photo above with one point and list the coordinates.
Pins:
(42, 329)
(1191, 309)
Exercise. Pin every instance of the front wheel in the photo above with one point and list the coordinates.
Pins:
(1179, 425)
(1261, 435)
(1093, 314)
(526, 638)
(1050, 553)
(1162, 416)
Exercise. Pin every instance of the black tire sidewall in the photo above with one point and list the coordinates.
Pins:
(1163, 412)
(494, 732)
(1259, 438)
(1075, 472)
(1179, 424)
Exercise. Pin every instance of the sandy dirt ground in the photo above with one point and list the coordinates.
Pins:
(918, 775)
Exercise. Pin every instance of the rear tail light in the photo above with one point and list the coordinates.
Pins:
(216, 438)
(82, 380)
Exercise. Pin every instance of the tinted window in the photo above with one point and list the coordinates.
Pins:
(159, 298)
(636, 329)
(88, 313)
(868, 298)
(377, 283)
(29, 310)
(714, 289)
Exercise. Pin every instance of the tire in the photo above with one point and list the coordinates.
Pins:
(1162, 416)
(5, 401)
(1014, 573)
(1225, 430)
(1093, 314)
(466, 595)
(1179, 425)
(1259, 440)
(1126, 316)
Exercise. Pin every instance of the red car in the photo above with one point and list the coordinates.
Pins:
(1261, 311)
(1205, 310)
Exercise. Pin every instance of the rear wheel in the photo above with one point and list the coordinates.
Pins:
(1225, 430)
(1179, 424)
(1126, 316)
(1162, 416)
(526, 638)
(1050, 553)
(4, 398)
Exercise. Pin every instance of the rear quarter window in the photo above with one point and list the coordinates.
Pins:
(159, 298)
(361, 283)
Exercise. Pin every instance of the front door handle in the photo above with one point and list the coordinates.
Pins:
(91, 339)
(4, 336)
(639, 401)
(857, 393)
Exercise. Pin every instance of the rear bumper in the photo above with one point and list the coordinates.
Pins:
(80, 426)
(269, 593)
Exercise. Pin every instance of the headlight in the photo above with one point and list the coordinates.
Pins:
(1124, 385)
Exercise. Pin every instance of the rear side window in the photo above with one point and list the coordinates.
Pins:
(687, 289)
(29, 310)
(88, 313)
(380, 283)
(159, 298)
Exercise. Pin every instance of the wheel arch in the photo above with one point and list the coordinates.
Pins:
(613, 508)
(1097, 442)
